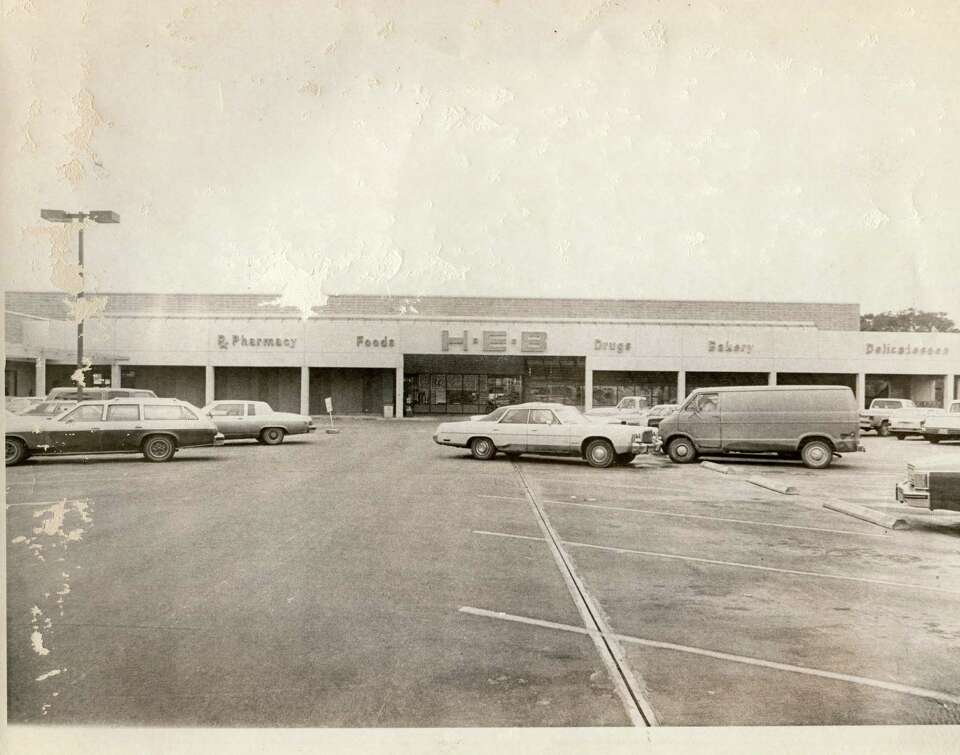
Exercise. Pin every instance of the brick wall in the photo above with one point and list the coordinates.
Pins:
(826, 316)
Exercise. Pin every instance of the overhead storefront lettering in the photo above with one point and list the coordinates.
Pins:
(494, 340)
(727, 347)
(374, 343)
(617, 346)
(889, 349)
(250, 342)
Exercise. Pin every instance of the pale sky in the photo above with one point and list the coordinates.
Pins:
(703, 150)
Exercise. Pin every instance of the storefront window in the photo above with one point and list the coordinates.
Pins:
(432, 393)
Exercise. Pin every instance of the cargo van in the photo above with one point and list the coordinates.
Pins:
(809, 422)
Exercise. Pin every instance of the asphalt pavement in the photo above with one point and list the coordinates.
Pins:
(375, 579)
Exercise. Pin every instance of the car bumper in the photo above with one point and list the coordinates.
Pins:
(910, 496)
(218, 439)
(311, 428)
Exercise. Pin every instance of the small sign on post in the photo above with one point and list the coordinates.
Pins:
(328, 402)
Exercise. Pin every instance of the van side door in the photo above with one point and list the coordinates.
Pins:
(700, 419)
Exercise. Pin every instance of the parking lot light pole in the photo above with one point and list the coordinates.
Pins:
(97, 216)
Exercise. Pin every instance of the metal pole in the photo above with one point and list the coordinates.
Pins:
(79, 315)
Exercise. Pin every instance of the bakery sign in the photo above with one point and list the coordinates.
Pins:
(889, 349)
(729, 348)
(529, 341)
(237, 341)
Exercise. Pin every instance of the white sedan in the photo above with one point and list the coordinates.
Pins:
(256, 419)
(549, 429)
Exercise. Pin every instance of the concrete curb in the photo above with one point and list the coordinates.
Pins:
(775, 486)
(721, 468)
(868, 515)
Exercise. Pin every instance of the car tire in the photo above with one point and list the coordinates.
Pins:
(932, 438)
(900, 436)
(15, 452)
(681, 451)
(884, 430)
(271, 436)
(816, 454)
(482, 449)
(625, 458)
(600, 453)
(159, 448)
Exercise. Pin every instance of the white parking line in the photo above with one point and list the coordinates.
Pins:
(46, 503)
(747, 660)
(715, 562)
(715, 518)
(501, 497)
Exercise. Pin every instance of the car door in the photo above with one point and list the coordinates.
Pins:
(700, 419)
(256, 417)
(122, 428)
(545, 434)
(78, 431)
(510, 433)
(229, 418)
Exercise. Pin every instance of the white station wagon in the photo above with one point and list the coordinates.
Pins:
(550, 429)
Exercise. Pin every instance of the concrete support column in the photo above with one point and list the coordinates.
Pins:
(115, 375)
(771, 378)
(40, 377)
(681, 386)
(398, 405)
(208, 388)
(587, 385)
(861, 391)
(305, 390)
(949, 390)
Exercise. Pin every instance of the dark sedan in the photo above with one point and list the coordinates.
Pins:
(157, 428)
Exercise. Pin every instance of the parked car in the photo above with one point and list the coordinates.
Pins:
(880, 414)
(931, 485)
(255, 419)
(155, 427)
(944, 426)
(909, 422)
(631, 410)
(812, 422)
(98, 394)
(48, 409)
(658, 412)
(549, 429)
(18, 404)
(498, 412)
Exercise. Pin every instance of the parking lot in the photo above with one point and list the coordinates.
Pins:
(373, 578)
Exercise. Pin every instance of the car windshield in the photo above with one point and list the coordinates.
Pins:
(494, 415)
(48, 408)
(570, 415)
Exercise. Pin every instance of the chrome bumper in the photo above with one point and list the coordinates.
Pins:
(218, 439)
(910, 496)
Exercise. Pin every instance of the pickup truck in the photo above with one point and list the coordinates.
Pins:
(632, 410)
(881, 412)
(943, 426)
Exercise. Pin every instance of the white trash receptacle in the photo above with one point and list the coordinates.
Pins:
(387, 410)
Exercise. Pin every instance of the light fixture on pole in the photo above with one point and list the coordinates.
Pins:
(97, 216)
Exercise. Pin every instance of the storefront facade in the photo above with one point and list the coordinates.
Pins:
(401, 360)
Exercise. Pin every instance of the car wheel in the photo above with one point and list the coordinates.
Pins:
(933, 438)
(884, 430)
(600, 453)
(625, 458)
(682, 451)
(15, 451)
(159, 448)
(816, 454)
(272, 436)
(900, 436)
(482, 448)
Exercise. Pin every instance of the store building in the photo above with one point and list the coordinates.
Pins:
(461, 355)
